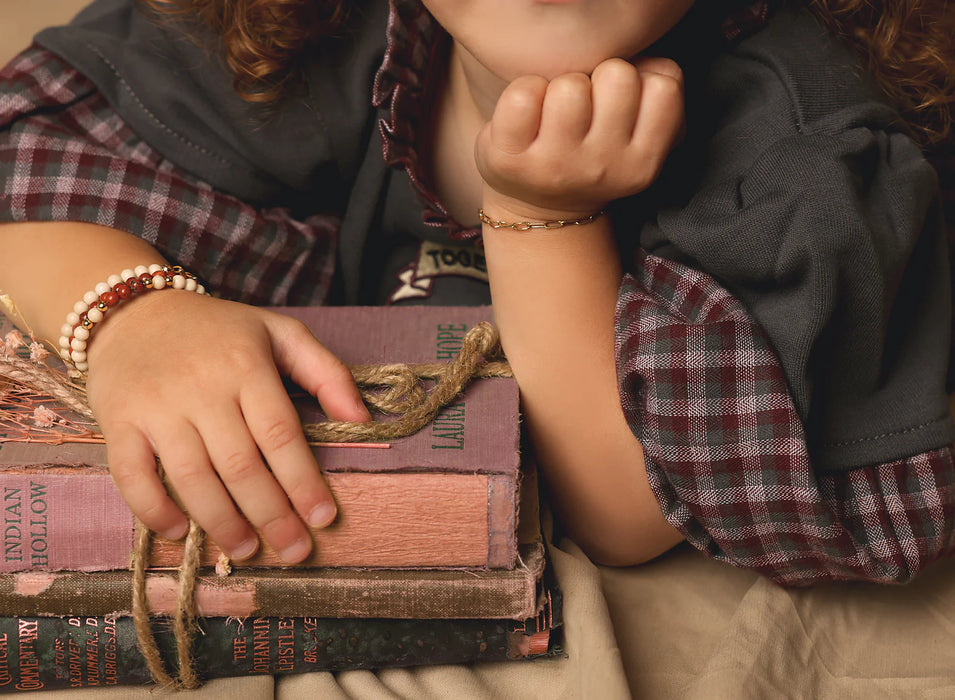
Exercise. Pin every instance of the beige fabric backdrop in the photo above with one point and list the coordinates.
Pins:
(681, 627)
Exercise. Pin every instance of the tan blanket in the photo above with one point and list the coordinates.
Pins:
(681, 627)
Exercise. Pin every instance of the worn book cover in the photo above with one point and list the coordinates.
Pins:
(445, 497)
(511, 594)
(47, 653)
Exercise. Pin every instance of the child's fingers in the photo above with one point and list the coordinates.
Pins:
(567, 110)
(132, 464)
(238, 462)
(200, 489)
(616, 100)
(517, 115)
(662, 113)
(275, 426)
(300, 356)
(661, 116)
(660, 66)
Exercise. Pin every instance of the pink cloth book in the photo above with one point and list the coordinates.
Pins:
(445, 497)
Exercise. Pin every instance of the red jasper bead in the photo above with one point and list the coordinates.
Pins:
(135, 285)
(123, 291)
(109, 298)
(147, 278)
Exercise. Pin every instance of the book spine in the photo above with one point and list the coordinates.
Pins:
(79, 652)
(68, 519)
(390, 593)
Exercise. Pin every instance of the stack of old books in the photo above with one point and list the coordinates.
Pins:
(436, 556)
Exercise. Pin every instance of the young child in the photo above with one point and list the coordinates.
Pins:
(714, 250)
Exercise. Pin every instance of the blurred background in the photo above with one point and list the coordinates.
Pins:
(21, 19)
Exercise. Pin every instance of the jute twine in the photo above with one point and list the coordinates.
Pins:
(393, 389)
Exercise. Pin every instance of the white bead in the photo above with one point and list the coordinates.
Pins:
(72, 318)
(80, 307)
(113, 280)
(178, 282)
(159, 281)
(126, 274)
(78, 344)
(101, 288)
(191, 284)
(66, 330)
(200, 289)
(91, 297)
(141, 270)
(154, 268)
(81, 366)
(78, 356)
(65, 341)
(81, 333)
(64, 353)
(94, 315)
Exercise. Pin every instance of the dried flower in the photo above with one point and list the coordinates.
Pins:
(44, 417)
(38, 353)
(14, 339)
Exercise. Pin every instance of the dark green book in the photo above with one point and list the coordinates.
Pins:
(74, 652)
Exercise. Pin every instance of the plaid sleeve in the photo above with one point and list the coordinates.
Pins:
(726, 455)
(65, 155)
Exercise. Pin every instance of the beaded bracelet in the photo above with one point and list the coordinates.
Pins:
(92, 308)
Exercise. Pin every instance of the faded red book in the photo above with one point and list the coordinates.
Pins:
(424, 594)
(446, 497)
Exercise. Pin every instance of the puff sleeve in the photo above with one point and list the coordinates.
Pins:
(65, 155)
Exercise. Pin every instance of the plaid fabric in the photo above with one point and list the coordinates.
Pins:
(401, 89)
(746, 19)
(726, 455)
(701, 388)
(66, 156)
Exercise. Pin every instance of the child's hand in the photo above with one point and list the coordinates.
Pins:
(196, 381)
(565, 148)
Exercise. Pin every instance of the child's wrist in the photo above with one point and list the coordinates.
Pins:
(89, 313)
(503, 208)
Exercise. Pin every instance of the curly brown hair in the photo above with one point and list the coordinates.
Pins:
(907, 45)
(263, 41)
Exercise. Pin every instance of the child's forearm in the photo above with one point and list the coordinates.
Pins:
(554, 294)
(51, 265)
(216, 412)
(561, 150)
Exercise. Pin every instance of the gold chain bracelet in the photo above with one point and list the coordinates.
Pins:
(528, 225)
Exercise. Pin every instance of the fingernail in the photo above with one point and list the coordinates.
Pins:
(362, 411)
(246, 549)
(322, 515)
(177, 532)
(296, 552)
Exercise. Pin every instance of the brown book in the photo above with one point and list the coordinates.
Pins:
(445, 497)
(502, 594)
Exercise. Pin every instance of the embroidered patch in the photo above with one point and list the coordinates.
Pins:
(438, 260)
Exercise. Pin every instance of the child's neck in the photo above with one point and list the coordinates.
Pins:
(465, 103)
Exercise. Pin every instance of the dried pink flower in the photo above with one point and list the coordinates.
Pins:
(38, 353)
(44, 417)
(14, 339)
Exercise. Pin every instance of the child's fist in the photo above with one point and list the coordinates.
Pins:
(567, 147)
